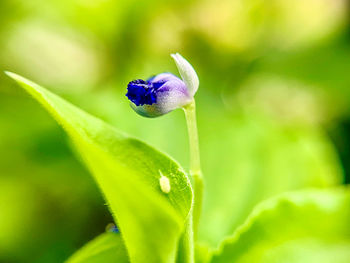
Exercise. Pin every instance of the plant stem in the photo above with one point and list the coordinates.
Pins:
(195, 168)
(186, 244)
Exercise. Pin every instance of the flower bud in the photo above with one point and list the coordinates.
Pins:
(164, 92)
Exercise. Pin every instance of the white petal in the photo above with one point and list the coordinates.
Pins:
(188, 74)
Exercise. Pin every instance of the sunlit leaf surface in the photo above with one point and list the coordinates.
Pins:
(106, 248)
(305, 226)
(128, 173)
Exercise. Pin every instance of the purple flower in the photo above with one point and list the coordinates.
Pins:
(164, 92)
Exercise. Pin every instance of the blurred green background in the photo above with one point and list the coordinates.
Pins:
(273, 106)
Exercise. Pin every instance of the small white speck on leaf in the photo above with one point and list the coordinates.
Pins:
(164, 183)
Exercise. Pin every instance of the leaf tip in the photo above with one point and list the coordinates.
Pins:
(10, 74)
(14, 76)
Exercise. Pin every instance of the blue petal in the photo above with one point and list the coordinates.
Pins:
(141, 92)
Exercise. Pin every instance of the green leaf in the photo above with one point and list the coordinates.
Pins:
(128, 172)
(106, 248)
(203, 253)
(305, 226)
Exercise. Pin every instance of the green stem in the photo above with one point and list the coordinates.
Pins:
(186, 244)
(195, 167)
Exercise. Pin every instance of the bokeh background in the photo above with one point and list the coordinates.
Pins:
(273, 106)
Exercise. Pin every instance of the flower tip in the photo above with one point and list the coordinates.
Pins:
(175, 55)
(187, 72)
